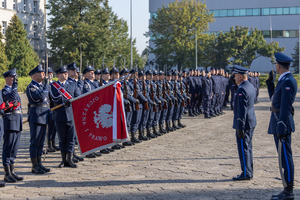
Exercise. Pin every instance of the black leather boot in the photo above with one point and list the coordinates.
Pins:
(149, 134)
(63, 157)
(8, 177)
(2, 184)
(175, 125)
(39, 160)
(35, 167)
(50, 148)
(12, 172)
(53, 145)
(142, 136)
(69, 161)
(286, 194)
(91, 155)
(79, 158)
(161, 129)
(168, 128)
(134, 139)
(180, 124)
(155, 131)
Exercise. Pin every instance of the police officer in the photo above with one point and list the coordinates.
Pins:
(38, 116)
(12, 126)
(207, 93)
(1, 127)
(178, 104)
(244, 121)
(97, 77)
(192, 92)
(282, 122)
(105, 76)
(62, 116)
(171, 103)
(51, 126)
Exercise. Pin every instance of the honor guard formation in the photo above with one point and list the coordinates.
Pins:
(155, 102)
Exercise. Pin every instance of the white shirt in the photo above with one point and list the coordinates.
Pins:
(282, 75)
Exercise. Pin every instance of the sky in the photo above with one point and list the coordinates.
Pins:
(140, 18)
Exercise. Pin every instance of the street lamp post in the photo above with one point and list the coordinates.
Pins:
(131, 34)
(299, 51)
(196, 51)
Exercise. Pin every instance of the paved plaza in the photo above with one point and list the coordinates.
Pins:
(197, 162)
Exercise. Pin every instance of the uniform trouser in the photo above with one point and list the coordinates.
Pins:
(218, 102)
(226, 98)
(51, 130)
(232, 99)
(128, 118)
(200, 102)
(37, 138)
(176, 111)
(11, 141)
(245, 152)
(256, 94)
(163, 116)
(149, 121)
(181, 111)
(157, 117)
(286, 158)
(222, 102)
(136, 119)
(212, 104)
(170, 113)
(193, 102)
(206, 104)
(66, 135)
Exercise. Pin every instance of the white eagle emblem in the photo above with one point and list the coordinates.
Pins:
(104, 116)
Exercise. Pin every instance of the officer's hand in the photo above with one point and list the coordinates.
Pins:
(16, 103)
(240, 133)
(154, 104)
(6, 104)
(281, 136)
(46, 81)
(15, 83)
(271, 75)
(137, 101)
(67, 103)
(159, 102)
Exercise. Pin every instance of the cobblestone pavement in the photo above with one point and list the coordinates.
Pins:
(197, 162)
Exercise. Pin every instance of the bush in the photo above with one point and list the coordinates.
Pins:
(22, 83)
(263, 78)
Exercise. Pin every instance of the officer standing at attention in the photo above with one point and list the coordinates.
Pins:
(1, 127)
(62, 116)
(282, 121)
(97, 77)
(12, 126)
(244, 121)
(38, 116)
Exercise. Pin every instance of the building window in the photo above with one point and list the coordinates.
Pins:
(230, 13)
(279, 11)
(35, 7)
(14, 4)
(24, 9)
(272, 11)
(265, 11)
(26, 27)
(249, 12)
(34, 31)
(3, 3)
(223, 13)
(256, 11)
(286, 11)
(3, 27)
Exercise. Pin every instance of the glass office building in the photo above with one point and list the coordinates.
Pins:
(283, 16)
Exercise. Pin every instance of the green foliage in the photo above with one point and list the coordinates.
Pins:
(263, 78)
(20, 53)
(91, 25)
(175, 28)
(295, 56)
(3, 58)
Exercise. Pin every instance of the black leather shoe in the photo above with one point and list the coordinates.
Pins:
(8, 177)
(127, 143)
(74, 160)
(284, 195)
(79, 158)
(122, 146)
(110, 149)
(98, 154)
(39, 160)
(116, 147)
(207, 116)
(2, 184)
(104, 151)
(91, 155)
(12, 172)
(241, 178)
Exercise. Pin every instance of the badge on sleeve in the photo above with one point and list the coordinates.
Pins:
(86, 86)
(287, 88)
(32, 89)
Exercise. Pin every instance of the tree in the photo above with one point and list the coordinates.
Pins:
(20, 53)
(174, 29)
(4, 64)
(91, 25)
(295, 56)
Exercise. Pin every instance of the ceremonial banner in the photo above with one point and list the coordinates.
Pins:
(99, 118)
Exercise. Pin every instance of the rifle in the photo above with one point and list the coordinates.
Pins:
(137, 107)
(152, 95)
(101, 81)
(146, 106)
(128, 109)
(158, 96)
(181, 90)
(175, 94)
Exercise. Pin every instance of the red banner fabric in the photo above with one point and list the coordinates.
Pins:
(99, 118)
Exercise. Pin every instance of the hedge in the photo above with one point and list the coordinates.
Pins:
(264, 77)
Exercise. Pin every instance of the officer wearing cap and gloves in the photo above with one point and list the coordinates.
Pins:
(282, 121)
(62, 116)
(38, 116)
(244, 121)
(12, 126)
(1, 127)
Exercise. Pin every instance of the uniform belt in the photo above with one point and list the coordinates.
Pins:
(39, 105)
(14, 112)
